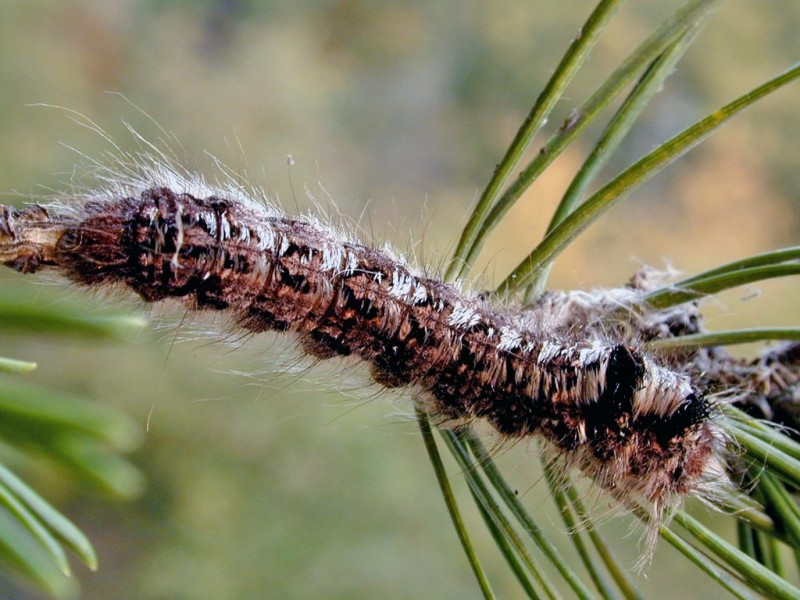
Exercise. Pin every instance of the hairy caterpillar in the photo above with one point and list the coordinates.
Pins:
(639, 428)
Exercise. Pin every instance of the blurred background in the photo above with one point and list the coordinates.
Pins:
(263, 480)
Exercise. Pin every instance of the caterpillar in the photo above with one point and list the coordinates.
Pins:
(637, 426)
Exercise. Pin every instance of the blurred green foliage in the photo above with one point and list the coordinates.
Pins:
(263, 482)
(41, 427)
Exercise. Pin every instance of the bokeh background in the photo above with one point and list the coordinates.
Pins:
(265, 481)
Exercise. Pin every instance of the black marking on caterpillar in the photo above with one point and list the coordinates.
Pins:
(638, 428)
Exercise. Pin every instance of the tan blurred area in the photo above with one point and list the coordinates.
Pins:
(269, 482)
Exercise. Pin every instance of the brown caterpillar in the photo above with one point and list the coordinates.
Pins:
(638, 428)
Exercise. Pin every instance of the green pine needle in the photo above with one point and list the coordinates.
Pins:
(727, 338)
(484, 219)
(635, 175)
(452, 505)
(563, 74)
